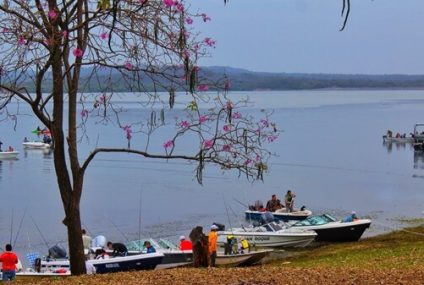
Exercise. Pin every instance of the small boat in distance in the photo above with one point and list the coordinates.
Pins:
(36, 145)
(8, 154)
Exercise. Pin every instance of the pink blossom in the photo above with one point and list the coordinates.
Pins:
(84, 113)
(52, 14)
(208, 144)
(209, 42)
(65, 34)
(226, 128)
(271, 138)
(21, 41)
(103, 36)
(142, 1)
(189, 21)
(202, 119)
(102, 98)
(5, 30)
(184, 124)
(77, 52)
(128, 65)
(264, 123)
(186, 54)
(128, 132)
(168, 144)
(196, 68)
(258, 157)
(180, 7)
(248, 162)
(205, 17)
(226, 147)
(169, 3)
(236, 115)
(229, 104)
(203, 87)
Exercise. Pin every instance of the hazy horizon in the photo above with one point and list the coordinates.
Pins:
(302, 36)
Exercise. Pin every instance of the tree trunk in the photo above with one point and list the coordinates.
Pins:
(76, 248)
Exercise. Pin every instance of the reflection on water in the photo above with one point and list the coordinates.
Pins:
(419, 159)
(397, 146)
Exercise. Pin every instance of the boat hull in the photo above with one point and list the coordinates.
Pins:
(398, 140)
(271, 240)
(36, 145)
(280, 216)
(9, 154)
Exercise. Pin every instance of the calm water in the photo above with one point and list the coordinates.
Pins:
(330, 154)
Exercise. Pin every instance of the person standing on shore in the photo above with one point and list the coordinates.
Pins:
(289, 201)
(212, 245)
(86, 241)
(9, 260)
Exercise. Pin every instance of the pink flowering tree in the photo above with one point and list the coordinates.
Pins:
(149, 45)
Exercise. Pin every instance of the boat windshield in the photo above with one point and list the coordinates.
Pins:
(272, 227)
(316, 221)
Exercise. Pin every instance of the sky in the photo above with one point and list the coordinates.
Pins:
(381, 37)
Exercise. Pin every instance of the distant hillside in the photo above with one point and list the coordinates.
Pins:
(245, 80)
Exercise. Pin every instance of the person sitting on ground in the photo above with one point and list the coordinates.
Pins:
(351, 218)
(119, 249)
(9, 261)
(273, 204)
(185, 244)
(149, 247)
(289, 201)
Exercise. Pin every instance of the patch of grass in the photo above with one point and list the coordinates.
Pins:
(400, 249)
(411, 221)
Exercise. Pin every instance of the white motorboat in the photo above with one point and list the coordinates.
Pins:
(8, 154)
(36, 145)
(330, 229)
(281, 214)
(270, 235)
(388, 139)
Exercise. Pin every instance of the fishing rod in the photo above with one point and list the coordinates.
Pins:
(20, 227)
(139, 220)
(41, 234)
(117, 228)
(241, 203)
(11, 227)
(228, 215)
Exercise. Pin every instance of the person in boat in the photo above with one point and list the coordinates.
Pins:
(101, 254)
(389, 133)
(212, 245)
(185, 244)
(86, 241)
(289, 201)
(0, 146)
(149, 247)
(273, 204)
(119, 249)
(351, 218)
(243, 245)
(26, 139)
(9, 260)
(10, 149)
(397, 135)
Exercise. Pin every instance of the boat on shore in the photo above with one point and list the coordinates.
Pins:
(8, 154)
(269, 235)
(36, 145)
(281, 214)
(174, 257)
(329, 229)
(144, 261)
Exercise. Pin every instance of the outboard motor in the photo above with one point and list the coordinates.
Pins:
(98, 241)
(303, 208)
(37, 264)
(266, 218)
(221, 227)
(57, 252)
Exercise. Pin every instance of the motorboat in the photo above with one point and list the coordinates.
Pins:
(280, 214)
(269, 235)
(8, 154)
(36, 145)
(401, 139)
(143, 261)
(329, 228)
(174, 257)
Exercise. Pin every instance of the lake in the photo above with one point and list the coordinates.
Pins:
(331, 154)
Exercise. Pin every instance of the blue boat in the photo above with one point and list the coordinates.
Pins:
(279, 215)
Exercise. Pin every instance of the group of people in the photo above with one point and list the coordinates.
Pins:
(204, 246)
(274, 204)
(9, 149)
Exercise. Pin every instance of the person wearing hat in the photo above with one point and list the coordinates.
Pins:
(212, 245)
(185, 244)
